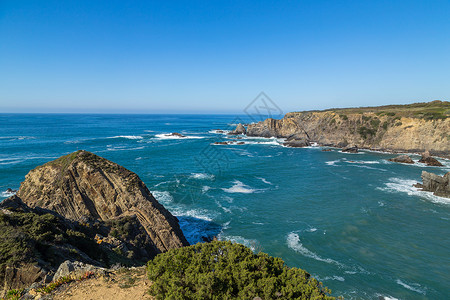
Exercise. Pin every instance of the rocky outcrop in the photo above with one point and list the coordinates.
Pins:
(296, 142)
(350, 149)
(176, 134)
(429, 161)
(439, 185)
(240, 129)
(409, 128)
(80, 207)
(404, 159)
(83, 186)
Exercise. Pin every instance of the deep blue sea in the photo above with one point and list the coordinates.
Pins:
(353, 221)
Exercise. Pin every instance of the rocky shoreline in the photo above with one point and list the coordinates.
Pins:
(414, 128)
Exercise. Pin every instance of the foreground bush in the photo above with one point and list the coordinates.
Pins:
(223, 270)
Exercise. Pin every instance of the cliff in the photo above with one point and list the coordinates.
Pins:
(80, 207)
(82, 186)
(410, 128)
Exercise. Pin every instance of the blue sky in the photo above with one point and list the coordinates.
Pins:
(217, 56)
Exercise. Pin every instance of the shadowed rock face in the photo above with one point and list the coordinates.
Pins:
(83, 186)
(439, 185)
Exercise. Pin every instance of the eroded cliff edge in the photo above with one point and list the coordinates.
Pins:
(80, 207)
(401, 128)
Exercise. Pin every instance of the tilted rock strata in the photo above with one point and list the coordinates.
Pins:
(82, 186)
(367, 130)
(439, 185)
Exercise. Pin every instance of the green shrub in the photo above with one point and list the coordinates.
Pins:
(343, 117)
(385, 125)
(223, 270)
(364, 132)
(375, 123)
(390, 114)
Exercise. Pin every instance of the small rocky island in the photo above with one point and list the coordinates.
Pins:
(439, 185)
(80, 207)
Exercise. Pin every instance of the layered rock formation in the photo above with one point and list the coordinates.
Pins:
(408, 128)
(80, 207)
(82, 186)
(439, 185)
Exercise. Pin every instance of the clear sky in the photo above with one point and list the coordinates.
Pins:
(217, 56)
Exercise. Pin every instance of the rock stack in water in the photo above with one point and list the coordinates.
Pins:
(439, 185)
(81, 207)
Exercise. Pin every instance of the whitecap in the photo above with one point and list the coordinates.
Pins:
(415, 287)
(163, 197)
(335, 277)
(293, 241)
(194, 213)
(239, 187)
(129, 137)
(406, 186)
(205, 188)
(385, 297)
(202, 176)
(219, 131)
(332, 162)
(169, 136)
(264, 180)
(6, 194)
(252, 244)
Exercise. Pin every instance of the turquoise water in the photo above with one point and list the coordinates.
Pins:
(354, 221)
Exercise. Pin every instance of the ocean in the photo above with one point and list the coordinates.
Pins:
(354, 221)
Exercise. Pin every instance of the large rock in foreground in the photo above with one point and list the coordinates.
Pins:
(439, 185)
(82, 186)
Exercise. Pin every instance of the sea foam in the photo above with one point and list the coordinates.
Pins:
(293, 242)
(406, 186)
(239, 187)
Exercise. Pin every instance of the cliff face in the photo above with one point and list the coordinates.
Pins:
(82, 186)
(80, 207)
(397, 128)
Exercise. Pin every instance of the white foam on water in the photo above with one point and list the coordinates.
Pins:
(128, 137)
(335, 277)
(312, 229)
(252, 244)
(293, 242)
(216, 131)
(264, 180)
(201, 176)
(332, 162)
(369, 162)
(228, 199)
(169, 136)
(163, 197)
(385, 297)
(239, 187)
(7, 194)
(205, 188)
(194, 213)
(399, 185)
(225, 209)
(415, 287)
(122, 148)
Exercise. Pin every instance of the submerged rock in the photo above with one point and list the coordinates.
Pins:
(439, 185)
(176, 134)
(404, 159)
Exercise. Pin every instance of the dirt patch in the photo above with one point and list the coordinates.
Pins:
(122, 284)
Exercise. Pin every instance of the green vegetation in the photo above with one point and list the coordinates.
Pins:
(27, 236)
(223, 270)
(364, 132)
(14, 294)
(435, 110)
